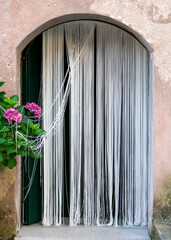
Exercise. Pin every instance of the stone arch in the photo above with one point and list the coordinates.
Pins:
(83, 16)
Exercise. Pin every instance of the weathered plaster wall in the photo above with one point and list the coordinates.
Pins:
(7, 204)
(150, 18)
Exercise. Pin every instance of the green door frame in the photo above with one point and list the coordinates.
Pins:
(31, 76)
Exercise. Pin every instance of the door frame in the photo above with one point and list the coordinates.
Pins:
(72, 17)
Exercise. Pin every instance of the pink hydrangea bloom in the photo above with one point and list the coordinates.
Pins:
(13, 115)
(34, 108)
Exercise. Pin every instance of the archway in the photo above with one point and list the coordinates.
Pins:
(149, 150)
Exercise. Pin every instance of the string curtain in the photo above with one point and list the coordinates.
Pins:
(106, 91)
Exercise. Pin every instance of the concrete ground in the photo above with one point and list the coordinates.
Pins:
(82, 233)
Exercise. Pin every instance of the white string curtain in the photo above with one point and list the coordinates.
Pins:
(53, 75)
(108, 125)
(80, 43)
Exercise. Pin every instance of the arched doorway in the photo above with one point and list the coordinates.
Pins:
(95, 46)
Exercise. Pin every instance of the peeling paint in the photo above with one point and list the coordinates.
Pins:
(159, 15)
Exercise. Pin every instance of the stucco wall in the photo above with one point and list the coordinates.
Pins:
(150, 18)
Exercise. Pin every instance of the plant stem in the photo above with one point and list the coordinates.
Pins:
(2, 108)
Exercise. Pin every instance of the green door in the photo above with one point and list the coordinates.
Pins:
(31, 75)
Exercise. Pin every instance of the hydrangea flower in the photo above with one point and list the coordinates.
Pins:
(13, 115)
(34, 108)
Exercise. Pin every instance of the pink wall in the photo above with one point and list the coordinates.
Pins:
(20, 21)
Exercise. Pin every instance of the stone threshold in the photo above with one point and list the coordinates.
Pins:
(37, 232)
(162, 230)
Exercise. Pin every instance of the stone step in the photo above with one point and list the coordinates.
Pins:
(82, 233)
(162, 230)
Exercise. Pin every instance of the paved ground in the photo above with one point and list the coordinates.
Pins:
(82, 233)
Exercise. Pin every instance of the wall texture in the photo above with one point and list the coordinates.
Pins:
(150, 18)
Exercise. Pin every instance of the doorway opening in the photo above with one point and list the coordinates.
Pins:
(94, 77)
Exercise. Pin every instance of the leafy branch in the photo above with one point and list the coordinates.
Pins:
(20, 133)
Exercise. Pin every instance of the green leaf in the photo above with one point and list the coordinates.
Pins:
(10, 102)
(12, 163)
(1, 157)
(4, 134)
(23, 127)
(4, 105)
(3, 123)
(37, 156)
(5, 162)
(11, 149)
(29, 113)
(2, 94)
(22, 153)
(5, 129)
(39, 131)
(2, 111)
(20, 108)
(1, 83)
(31, 125)
(26, 144)
(26, 120)
(8, 142)
(36, 126)
(22, 142)
(1, 164)
(2, 140)
(3, 147)
(19, 138)
(14, 98)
